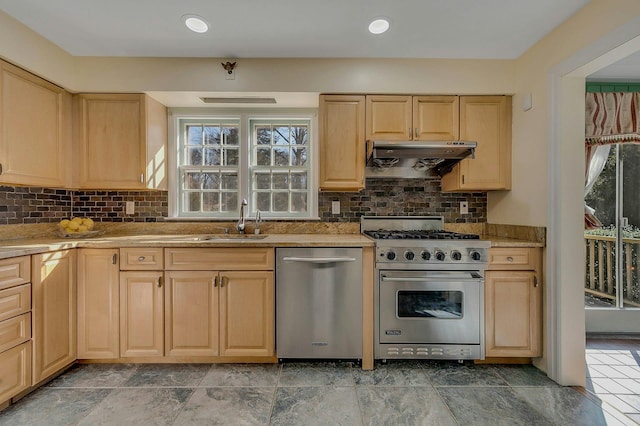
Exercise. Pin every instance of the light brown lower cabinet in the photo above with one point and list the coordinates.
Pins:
(191, 307)
(141, 314)
(15, 371)
(54, 312)
(513, 303)
(98, 304)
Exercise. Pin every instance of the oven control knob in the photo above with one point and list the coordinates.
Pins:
(425, 255)
(455, 255)
(409, 255)
(475, 255)
(440, 255)
(391, 255)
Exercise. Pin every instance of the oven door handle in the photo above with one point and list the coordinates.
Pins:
(319, 259)
(423, 279)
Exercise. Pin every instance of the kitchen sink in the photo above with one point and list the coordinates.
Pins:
(231, 237)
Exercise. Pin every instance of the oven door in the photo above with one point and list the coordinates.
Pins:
(430, 307)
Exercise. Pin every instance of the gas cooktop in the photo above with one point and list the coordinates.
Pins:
(419, 234)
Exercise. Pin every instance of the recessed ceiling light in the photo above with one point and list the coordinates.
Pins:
(379, 26)
(195, 23)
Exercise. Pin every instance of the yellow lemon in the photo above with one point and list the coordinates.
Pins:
(73, 226)
(64, 223)
(88, 223)
(82, 228)
(77, 220)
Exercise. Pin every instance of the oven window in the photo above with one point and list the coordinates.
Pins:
(429, 304)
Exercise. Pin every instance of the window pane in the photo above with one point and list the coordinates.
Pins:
(230, 135)
(280, 181)
(192, 202)
(263, 201)
(263, 157)
(231, 157)
(210, 181)
(210, 201)
(281, 156)
(212, 157)
(229, 202)
(192, 180)
(194, 135)
(262, 181)
(212, 135)
(299, 156)
(281, 136)
(299, 135)
(299, 180)
(263, 135)
(229, 181)
(194, 156)
(298, 201)
(280, 202)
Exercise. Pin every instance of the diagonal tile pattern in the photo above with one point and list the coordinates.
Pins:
(319, 393)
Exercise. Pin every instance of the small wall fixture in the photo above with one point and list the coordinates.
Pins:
(195, 23)
(379, 26)
(229, 66)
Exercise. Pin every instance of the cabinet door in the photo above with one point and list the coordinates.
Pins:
(111, 136)
(389, 117)
(141, 314)
(513, 314)
(98, 299)
(191, 303)
(486, 120)
(436, 118)
(247, 313)
(34, 129)
(342, 143)
(15, 371)
(54, 312)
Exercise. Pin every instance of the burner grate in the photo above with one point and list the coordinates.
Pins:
(420, 235)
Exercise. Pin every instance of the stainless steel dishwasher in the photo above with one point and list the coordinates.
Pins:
(319, 303)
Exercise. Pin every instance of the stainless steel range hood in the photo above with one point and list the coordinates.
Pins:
(440, 156)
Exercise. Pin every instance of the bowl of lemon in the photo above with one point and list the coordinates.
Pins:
(77, 227)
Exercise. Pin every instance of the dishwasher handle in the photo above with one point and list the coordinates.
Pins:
(319, 259)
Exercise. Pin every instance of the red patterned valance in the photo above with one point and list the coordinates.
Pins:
(612, 118)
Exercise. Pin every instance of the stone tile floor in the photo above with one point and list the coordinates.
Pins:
(399, 393)
(613, 373)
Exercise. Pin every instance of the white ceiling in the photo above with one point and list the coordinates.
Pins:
(493, 29)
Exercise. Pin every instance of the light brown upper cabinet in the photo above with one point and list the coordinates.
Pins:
(121, 141)
(424, 118)
(486, 120)
(35, 130)
(342, 142)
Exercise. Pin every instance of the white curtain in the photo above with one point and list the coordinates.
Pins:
(596, 158)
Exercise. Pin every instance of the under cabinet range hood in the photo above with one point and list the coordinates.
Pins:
(440, 156)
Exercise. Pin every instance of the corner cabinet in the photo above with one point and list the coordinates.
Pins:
(513, 303)
(342, 142)
(54, 312)
(35, 130)
(391, 117)
(121, 141)
(486, 120)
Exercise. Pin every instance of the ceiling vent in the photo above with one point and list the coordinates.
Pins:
(241, 100)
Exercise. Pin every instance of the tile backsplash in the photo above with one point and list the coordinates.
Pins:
(390, 196)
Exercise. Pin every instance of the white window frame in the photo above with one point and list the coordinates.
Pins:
(245, 116)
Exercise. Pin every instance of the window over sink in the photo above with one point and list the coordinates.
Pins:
(265, 157)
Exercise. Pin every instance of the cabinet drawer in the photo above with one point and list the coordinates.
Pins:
(149, 259)
(208, 259)
(513, 258)
(15, 271)
(15, 371)
(15, 301)
(15, 331)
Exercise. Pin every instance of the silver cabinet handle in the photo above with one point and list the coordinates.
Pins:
(114, 258)
(160, 281)
(222, 281)
(141, 177)
(415, 133)
(410, 133)
(535, 281)
(509, 259)
(140, 258)
(319, 259)
(215, 281)
(0, 168)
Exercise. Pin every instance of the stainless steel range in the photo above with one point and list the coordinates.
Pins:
(429, 290)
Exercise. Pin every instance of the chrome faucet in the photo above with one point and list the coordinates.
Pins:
(258, 220)
(240, 224)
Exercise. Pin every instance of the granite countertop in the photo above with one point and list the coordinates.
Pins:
(12, 248)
